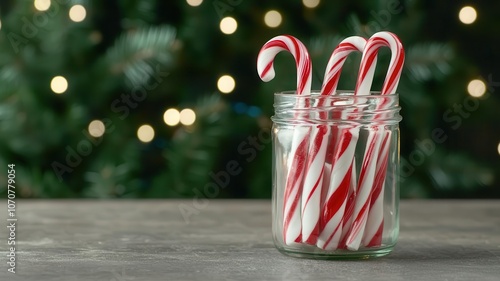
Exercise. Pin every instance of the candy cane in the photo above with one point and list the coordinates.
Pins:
(313, 181)
(375, 221)
(337, 60)
(320, 135)
(342, 162)
(268, 52)
(376, 138)
(349, 208)
(298, 153)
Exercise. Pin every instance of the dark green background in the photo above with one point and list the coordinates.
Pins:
(105, 56)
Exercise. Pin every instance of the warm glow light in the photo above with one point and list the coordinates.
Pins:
(498, 148)
(194, 3)
(310, 3)
(467, 15)
(188, 116)
(226, 84)
(77, 13)
(272, 18)
(476, 88)
(0, 24)
(42, 5)
(171, 117)
(228, 25)
(96, 128)
(145, 133)
(59, 84)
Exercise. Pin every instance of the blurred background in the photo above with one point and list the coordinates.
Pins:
(151, 98)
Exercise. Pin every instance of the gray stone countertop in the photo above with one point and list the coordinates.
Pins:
(231, 240)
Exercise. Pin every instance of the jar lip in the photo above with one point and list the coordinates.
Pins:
(340, 93)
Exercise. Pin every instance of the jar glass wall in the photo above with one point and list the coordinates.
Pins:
(335, 175)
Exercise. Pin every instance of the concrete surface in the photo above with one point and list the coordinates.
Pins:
(231, 240)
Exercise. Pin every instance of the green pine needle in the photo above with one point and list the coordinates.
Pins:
(194, 150)
(137, 53)
(429, 61)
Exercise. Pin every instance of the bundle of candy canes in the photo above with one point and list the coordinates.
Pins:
(326, 203)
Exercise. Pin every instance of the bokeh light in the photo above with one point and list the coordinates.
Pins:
(145, 133)
(96, 128)
(273, 18)
(194, 3)
(476, 88)
(59, 84)
(187, 117)
(42, 5)
(77, 13)
(467, 15)
(228, 25)
(226, 84)
(171, 117)
(310, 3)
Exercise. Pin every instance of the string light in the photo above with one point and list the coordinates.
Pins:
(42, 5)
(467, 15)
(77, 13)
(145, 133)
(226, 84)
(171, 117)
(240, 107)
(310, 3)
(272, 18)
(476, 88)
(96, 128)
(59, 84)
(187, 116)
(253, 111)
(194, 3)
(228, 25)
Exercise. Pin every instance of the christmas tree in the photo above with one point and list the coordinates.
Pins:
(147, 98)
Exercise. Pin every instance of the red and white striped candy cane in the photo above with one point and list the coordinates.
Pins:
(313, 182)
(332, 217)
(298, 153)
(375, 221)
(271, 48)
(337, 60)
(349, 208)
(320, 140)
(371, 164)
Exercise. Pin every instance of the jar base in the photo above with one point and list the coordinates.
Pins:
(339, 254)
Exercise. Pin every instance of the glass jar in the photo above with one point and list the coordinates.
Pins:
(335, 174)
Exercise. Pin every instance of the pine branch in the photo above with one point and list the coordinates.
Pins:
(193, 151)
(12, 65)
(355, 27)
(10, 77)
(138, 12)
(109, 181)
(136, 53)
(113, 172)
(429, 61)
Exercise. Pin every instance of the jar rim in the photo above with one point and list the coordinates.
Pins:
(344, 106)
(342, 93)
